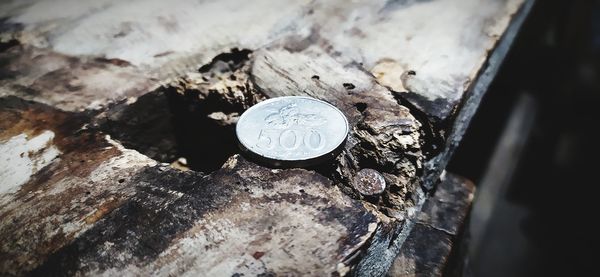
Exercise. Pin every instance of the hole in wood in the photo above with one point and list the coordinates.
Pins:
(189, 127)
(349, 86)
(166, 126)
(360, 106)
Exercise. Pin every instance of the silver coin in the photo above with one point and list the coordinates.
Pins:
(292, 130)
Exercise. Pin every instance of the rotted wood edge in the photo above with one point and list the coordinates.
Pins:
(474, 95)
(380, 256)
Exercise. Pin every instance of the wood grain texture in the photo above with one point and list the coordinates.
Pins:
(100, 208)
(444, 42)
(83, 182)
(118, 153)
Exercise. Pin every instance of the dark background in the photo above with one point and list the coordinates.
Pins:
(545, 221)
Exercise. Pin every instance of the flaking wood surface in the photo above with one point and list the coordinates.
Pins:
(99, 99)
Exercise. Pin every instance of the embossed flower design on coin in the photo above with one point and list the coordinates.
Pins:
(292, 131)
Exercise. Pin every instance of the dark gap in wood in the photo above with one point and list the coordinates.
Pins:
(8, 44)
(202, 141)
(432, 131)
(166, 126)
(360, 106)
(188, 128)
(234, 59)
(145, 126)
(194, 118)
(349, 86)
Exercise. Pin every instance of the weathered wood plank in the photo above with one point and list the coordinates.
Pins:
(57, 180)
(429, 50)
(99, 208)
(383, 134)
(243, 219)
(68, 82)
(397, 69)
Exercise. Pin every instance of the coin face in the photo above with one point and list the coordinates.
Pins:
(369, 182)
(292, 130)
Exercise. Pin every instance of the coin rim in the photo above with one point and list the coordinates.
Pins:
(278, 161)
